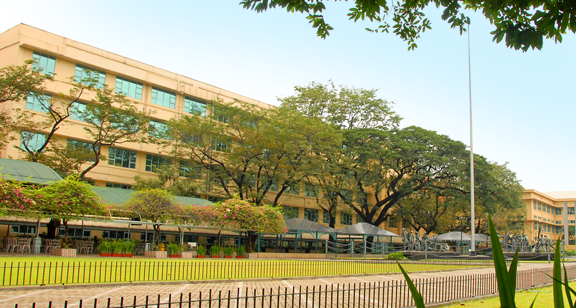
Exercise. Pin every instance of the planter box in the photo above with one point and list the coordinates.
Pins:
(64, 252)
(214, 257)
(201, 257)
(253, 255)
(117, 255)
(174, 256)
(156, 254)
(187, 254)
(105, 254)
(239, 257)
(228, 257)
(127, 255)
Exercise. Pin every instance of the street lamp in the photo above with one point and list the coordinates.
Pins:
(472, 218)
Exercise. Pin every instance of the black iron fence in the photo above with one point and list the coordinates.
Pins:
(391, 294)
(71, 271)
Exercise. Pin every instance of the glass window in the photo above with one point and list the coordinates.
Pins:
(32, 140)
(539, 206)
(558, 211)
(122, 158)
(81, 146)
(310, 190)
(325, 217)
(77, 111)
(220, 146)
(535, 205)
(535, 226)
(38, 102)
(195, 106)
(114, 234)
(311, 214)
(548, 209)
(345, 219)
(218, 113)
(44, 63)
(273, 185)
(570, 211)
(347, 194)
(163, 98)
(190, 170)
(359, 219)
(117, 185)
(87, 75)
(293, 189)
(290, 212)
(158, 130)
(128, 87)
(154, 162)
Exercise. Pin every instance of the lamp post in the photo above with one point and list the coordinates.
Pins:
(472, 218)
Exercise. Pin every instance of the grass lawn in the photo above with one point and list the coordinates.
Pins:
(523, 299)
(18, 271)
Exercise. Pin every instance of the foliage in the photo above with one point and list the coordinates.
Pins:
(168, 177)
(523, 24)
(395, 256)
(173, 248)
(228, 251)
(215, 250)
(129, 247)
(240, 251)
(117, 247)
(237, 214)
(16, 200)
(105, 247)
(201, 250)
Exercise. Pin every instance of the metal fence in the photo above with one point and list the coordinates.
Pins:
(24, 273)
(390, 294)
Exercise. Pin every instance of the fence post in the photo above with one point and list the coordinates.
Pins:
(352, 249)
(548, 250)
(326, 249)
(364, 237)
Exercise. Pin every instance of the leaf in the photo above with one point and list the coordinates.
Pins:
(557, 275)
(512, 272)
(418, 301)
(502, 274)
(567, 288)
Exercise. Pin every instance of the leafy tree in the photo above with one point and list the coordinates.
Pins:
(68, 199)
(155, 205)
(16, 200)
(16, 82)
(523, 24)
(429, 211)
(168, 177)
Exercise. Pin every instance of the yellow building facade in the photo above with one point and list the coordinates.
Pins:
(549, 213)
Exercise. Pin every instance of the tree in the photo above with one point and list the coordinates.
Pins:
(431, 212)
(157, 206)
(168, 177)
(16, 82)
(68, 199)
(523, 24)
(16, 199)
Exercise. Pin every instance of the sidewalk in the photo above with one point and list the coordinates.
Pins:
(25, 297)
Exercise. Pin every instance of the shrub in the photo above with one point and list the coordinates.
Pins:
(201, 250)
(215, 250)
(228, 251)
(105, 247)
(395, 256)
(174, 249)
(240, 251)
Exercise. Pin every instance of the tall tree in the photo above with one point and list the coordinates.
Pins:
(523, 24)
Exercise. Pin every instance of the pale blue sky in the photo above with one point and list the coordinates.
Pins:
(524, 103)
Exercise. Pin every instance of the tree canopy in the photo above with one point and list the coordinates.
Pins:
(521, 24)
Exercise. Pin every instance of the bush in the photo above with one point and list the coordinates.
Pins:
(240, 251)
(201, 250)
(105, 247)
(215, 250)
(396, 256)
(228, 251)
(174, 249)
(570, 253)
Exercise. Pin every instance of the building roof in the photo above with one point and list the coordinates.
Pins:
(453, 236)
(27, 172)
(562, 194)
(304, 225)
(363, 228)
(120, 196)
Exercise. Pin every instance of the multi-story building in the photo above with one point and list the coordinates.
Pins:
(160, 93)
(550, 213)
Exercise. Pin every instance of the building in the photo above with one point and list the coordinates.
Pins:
(163, 94)
(550, 213)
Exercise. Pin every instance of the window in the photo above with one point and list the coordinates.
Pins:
(76, 232)
(117, 185)
(345, 219)
(535, 226)
(158, 130)
(558, 222)
(163, 98)
(219, 114)
(128, 88)
(44, 63)
(38, 102)
(535, 205)
(114, 234)
(77, 111)
(391, 223)
(83, 147)
(122, 158)
(558, 211)
(190, 170)
(293, 188)
(548, 208)
(148, 237)
(311, 214)
(539, 206)
(535, 217)
(571, 222)
(264, 181)
(22, 229)
(347, 194)
(558, 229)
(86, 75)
(570, 211)
(32, 140)
(290, 212)
(549, 228)
(326, 217)
(359, 219)
(154, 162)
(310, 190)
(195, 106)
(219, 146)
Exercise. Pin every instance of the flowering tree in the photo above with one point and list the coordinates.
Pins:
(15, 200)
(68, 199)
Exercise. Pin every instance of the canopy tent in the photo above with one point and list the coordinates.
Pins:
(482, 238)
(27, 172)
(363, 228)
(454, 236)
(306, 226)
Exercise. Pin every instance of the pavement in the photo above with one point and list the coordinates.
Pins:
(71, 295)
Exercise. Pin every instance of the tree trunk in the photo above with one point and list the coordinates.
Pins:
(53, 226)
(157, 234)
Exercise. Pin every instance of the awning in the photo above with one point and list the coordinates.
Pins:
(454, 236)
(27, 171)
(304, 225)
(363, 228)
(120, 196)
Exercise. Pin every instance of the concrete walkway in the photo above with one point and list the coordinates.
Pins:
(42, 296)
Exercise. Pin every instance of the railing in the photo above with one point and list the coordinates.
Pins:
(390, 294)
(117, 271)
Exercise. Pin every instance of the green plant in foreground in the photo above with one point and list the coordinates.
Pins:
(201, 250)
(395, 256)
(228, 251)
(240, 251)
(215, 250)
(174, 249)
(506, 278)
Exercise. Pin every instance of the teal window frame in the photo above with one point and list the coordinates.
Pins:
(34, 140)
(310, 190)
(220, 146)
(129, 87)
(83, 73)
(311, 214)
(80, 145)
(44, 63)
(40, 102)
(156, 161)
(293, 189)
(195, 106)
(158, 129)
(571, 211)
(345, 219)
(190, 170)
(122, 158)
(163, 98)
(325, 217)
(76, 111)
(290, 212)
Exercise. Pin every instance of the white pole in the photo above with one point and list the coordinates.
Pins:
(472, 218)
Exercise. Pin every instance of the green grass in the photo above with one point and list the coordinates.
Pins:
(18, 271)
(523, 299)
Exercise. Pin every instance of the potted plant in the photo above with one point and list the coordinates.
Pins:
(186, 253)
(201, 252)
(228, 252)
(117, 248)
(174, 250)
(128, 250)
(240, 252)
(65, 249)
(105, 248)
(215, 251)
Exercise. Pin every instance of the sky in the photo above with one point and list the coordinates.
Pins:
(524, 103)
